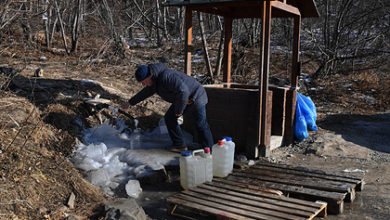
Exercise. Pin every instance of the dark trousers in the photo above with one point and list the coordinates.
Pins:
(203, 128)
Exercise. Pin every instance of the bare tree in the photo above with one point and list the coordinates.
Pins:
(351, 32)
(5, 16)
(205, 50)
(77, 20)
(59, 16)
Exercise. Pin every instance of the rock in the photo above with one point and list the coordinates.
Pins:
(71, 201)
(73, 217)
(38, 72)
(42, 58)
(124, 209)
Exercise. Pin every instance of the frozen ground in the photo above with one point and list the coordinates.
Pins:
(114, 156)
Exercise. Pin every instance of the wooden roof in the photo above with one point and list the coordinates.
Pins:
(245, 8)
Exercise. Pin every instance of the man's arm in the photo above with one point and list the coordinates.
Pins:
(142, 95)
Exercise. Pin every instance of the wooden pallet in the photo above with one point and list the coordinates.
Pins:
(303, 183)
(225, 199)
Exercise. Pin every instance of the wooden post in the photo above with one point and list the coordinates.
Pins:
(291, 99)
(295, 52)
(263, 80)
(227, 55)
(188, 41)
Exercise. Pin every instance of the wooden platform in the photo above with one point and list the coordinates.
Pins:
(303, 183)
(225, 199)
(256, 193)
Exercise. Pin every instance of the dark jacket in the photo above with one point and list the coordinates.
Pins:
(172, 86)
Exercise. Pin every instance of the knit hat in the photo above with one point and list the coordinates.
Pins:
(142, 73)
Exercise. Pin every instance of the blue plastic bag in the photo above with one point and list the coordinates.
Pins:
(308, 110)
(300, 124)
(305, 117)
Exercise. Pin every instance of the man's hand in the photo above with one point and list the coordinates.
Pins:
(125, 105)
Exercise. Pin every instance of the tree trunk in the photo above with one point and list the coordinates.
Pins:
(218, 65)
(165, 10)
(159, 43)
(62, 27)
(47, 24)
(206, 53)
(77, 19)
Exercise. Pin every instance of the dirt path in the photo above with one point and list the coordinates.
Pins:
(350, 143)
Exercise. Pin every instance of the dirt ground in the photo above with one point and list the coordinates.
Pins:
(41, 117)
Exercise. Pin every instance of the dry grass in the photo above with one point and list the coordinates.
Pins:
(35, 181)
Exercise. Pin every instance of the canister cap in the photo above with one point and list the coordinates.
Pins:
(227, 138)
(207, 150)
(220, 142)
(186, 153)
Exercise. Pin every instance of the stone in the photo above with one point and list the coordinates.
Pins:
(38, 72)
(124, 209)
(71, 201)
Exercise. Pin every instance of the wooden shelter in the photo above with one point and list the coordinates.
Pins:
(252, 115)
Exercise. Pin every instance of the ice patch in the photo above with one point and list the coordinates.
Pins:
(111, 155)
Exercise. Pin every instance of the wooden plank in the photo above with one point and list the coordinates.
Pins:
(226, 208)
(292, 176)
(188, 40)
(227, 55)
(323, 211)
(291, 101)
(263, 76)
(268, 122)
(335, 200)
(302, 176)
(247, 188)
(295, 53)
(288, 188)
(320, 206)
(285, 7)
(270, 204)
(357, 177)
(243, 204)
(173, 202)
(292, 180)
(303, 173)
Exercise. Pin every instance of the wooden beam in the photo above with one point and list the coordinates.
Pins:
(295, 52)
(263, 77)
(227, 55)
(285, 7)
(188, 41)
(291, 101)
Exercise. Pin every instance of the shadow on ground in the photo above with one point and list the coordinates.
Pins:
(371, 131)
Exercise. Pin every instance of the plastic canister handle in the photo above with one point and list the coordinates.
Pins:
(197, 151)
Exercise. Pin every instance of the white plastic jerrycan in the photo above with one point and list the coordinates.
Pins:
(231, 146)
(223, 158)
(192, 169)
(208, 164)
